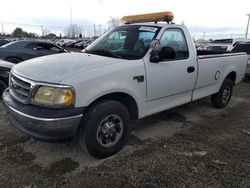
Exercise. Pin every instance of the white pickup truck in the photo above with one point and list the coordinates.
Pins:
(131, 72)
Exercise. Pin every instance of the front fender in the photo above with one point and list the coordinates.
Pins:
(89, 86)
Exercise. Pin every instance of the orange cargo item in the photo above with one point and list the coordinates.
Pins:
(151, 17)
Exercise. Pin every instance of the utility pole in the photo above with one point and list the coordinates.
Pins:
(2, 28)
(42, 30)
(100, 31)
(94, 31)
(204, 34)
(70, 22)
(247, 25)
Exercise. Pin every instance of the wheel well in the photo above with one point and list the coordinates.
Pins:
(7, 58)
(3, 82)
(232, 76)
(123, 98)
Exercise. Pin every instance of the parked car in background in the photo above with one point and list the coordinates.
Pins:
(214, 48)
(63, 42)
(83, 44)
(200, 47)
(244, 47)
(3, 42)
(5, 68)
(23, 50)
(73, 42)
(219, 49)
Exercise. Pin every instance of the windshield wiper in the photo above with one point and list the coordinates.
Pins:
(104, 53)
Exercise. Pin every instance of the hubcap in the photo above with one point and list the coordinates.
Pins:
(226, 94)
(110, 130)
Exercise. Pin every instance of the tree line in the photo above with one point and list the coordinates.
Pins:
(72, 31)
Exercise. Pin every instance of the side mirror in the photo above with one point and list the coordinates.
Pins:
(155, 46)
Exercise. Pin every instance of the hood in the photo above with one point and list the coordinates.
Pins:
(55, 68)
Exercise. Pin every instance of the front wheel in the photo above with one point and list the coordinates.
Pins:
(105, 129)
(222, 98)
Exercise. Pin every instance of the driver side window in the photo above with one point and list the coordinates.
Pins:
(173, 45)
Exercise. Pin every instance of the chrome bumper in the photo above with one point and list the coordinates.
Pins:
(46, 129)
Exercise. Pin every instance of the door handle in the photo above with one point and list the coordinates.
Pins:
(190, 69)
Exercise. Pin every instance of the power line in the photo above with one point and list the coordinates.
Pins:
(34, 25)
(42, 27)
(30, 25)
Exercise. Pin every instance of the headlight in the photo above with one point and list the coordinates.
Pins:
(54, 96)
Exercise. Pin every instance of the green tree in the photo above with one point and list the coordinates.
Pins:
(18, 32)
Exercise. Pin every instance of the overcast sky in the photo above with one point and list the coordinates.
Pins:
(215, 17)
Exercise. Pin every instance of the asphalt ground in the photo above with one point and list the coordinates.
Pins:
(193, 145)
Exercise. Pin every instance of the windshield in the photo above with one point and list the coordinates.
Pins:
(8, 45)
(125, 42)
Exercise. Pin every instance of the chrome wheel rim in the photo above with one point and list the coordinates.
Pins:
(109, 131)
(226, 94)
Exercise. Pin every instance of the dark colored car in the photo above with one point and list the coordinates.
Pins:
(3, 42)
(23, 50)
(5, 68)
(218, 49)
(244, 47)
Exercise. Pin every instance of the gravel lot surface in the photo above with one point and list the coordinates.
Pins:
(193, 145)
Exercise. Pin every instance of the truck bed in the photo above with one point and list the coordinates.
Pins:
(213, 68)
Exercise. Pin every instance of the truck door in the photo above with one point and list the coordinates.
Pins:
(170, 82)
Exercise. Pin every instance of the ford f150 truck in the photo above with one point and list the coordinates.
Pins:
(131, 72)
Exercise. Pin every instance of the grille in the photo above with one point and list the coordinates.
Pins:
(20, 89)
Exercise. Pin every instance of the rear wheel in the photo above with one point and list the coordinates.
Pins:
(222, 98)
(105, 129)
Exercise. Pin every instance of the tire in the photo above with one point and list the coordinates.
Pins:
(14, 60)
(3, 86)
(222, 98)
(104, 129)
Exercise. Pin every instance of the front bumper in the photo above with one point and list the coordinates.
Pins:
(46, 124)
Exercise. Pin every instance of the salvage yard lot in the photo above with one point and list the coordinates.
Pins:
(193, 145)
